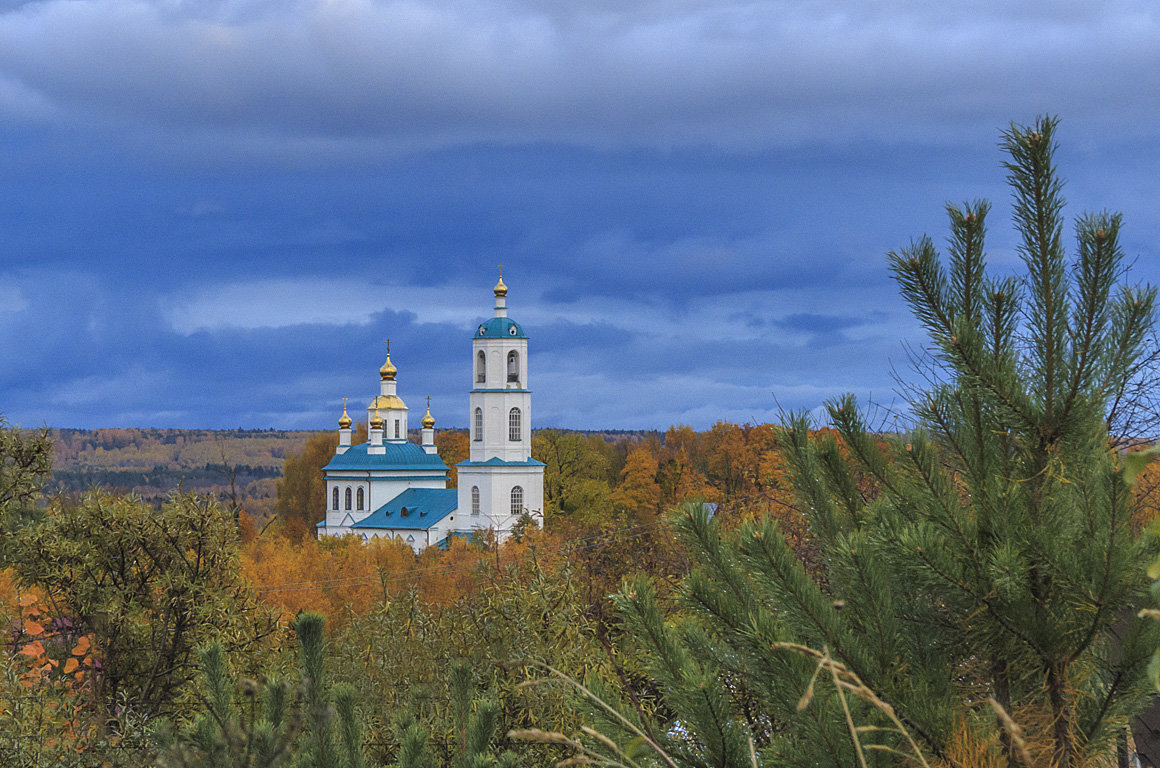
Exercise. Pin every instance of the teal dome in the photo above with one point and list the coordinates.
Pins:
(500, 328)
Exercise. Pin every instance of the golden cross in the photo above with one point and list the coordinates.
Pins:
(501, 271)
(388, 347)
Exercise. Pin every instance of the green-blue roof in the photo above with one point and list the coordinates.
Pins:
(445, 542)
(396, 456)
(413, 509)
(499, 328)
(497, 462)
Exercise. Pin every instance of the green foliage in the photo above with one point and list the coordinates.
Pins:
(149, 585)
(405, 650)
(578, 475)
(985, 556)
(308, 725)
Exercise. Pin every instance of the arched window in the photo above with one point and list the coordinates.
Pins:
(514, 424)
(517, 500)
(348, 499)
(335, 497)
(475, 499)
(396, 429)
(359, 499)
(480, 368)
(411, 539)
(478, 423)
(513, 366)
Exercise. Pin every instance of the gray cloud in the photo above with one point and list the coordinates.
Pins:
(375, 76)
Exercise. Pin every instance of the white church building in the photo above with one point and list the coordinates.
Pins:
(389, 486)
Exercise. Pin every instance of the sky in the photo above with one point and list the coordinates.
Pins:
(214, 212)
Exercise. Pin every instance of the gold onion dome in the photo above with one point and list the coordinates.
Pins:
(376, 420)
(388, 371)
(387, 402)
(428, 420)
(500, 289)
(345, 421)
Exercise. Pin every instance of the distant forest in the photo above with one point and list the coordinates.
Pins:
(152, 463)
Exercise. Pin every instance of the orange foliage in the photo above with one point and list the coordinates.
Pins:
(60, 668)
(344, 577)
(453, 447)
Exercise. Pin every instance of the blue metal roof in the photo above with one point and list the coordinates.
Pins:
(414, 509)
(497, 462)
(445, 542)
(397, 456)
(499, 328)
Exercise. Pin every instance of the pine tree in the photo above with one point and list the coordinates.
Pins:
(278, 724)
(475, 725)
(985, 555)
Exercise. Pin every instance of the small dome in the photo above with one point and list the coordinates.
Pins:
(376, 420)
(500, 289)
(388, 371)
(345, 421)
(428, 420)
(500, 328)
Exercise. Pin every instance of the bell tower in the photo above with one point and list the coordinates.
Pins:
(501, 480)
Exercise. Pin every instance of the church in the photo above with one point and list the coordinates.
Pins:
(389, 486)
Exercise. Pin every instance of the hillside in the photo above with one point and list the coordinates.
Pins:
(151, 463)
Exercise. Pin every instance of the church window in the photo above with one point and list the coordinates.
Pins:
(475, 499)
(480, 368)
(359, 499)
(478, 423)
(335, 497)
(513, 366)
(396, 429)
(517, 500)
(411, 539)
(348, 499)
(514, 424)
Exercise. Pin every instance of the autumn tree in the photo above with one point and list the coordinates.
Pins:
(302, 490)
(578, 476)
(148, 585)
(677, 473)
(453, 447)
(986, 556)
(639, 496)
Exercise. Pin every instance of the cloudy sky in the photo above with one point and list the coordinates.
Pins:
(212, 212)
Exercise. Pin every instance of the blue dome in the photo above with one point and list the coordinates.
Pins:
(499, 328)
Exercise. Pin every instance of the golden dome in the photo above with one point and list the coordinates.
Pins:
(376, 420)
(388, 371)
(387, 402)
(428, 420)
(500, 289)
(345, 421)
